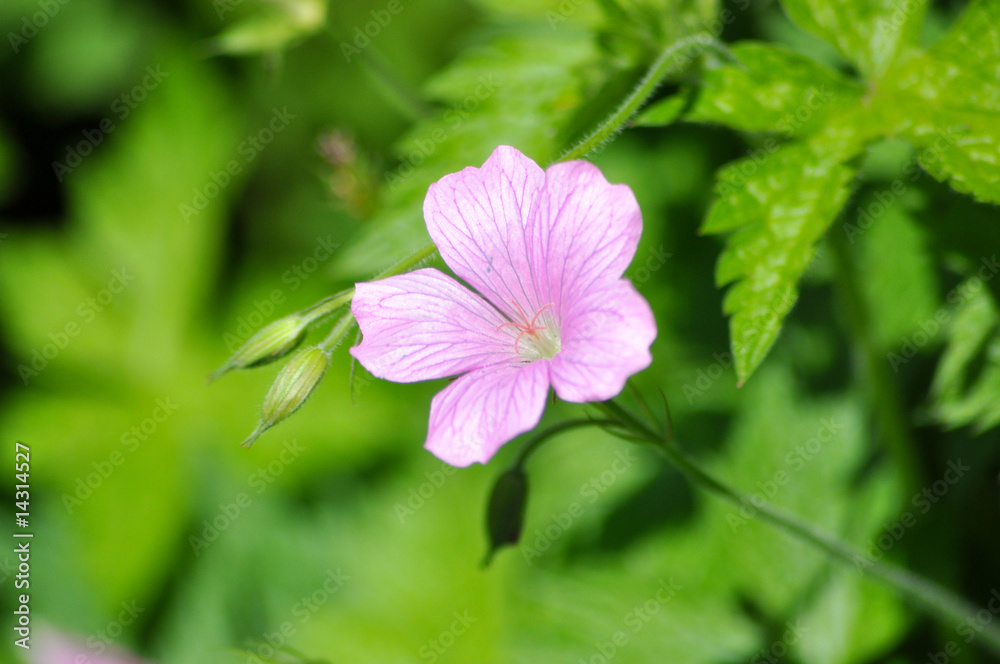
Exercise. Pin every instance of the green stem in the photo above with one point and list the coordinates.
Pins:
(400, 94)
(616, 121)
(344, 326)
(554, 430)
(340, 330)
(327, 306)
(410, 262)
(933, 598)
(889, 410)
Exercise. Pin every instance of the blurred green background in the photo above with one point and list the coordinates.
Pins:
(172, 176)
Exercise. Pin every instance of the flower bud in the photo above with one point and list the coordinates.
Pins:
(275, 340)
(291, 388)
(505, 515)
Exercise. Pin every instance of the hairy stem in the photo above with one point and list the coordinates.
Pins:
(554, 430)
(934, 599)
(661, 67)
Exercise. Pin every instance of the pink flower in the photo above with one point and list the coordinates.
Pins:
(546, 251)
(51, 647)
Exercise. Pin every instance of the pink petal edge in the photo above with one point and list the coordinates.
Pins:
(478, 219)
(425, 325)
(606, 339)
(584, 234)
(481, 411)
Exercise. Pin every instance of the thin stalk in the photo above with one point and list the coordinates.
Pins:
(396, 90)
(327, 306)
(411, 261)
(616, 121)
(345, 324)
(554, 430)
(340, 330)
(936, 600)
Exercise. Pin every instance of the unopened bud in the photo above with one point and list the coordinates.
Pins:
(273, 341)
(505, 515)
(291, 388)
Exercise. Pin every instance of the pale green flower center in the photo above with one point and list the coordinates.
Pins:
(535, 337)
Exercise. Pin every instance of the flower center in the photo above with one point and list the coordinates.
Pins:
(536, 338)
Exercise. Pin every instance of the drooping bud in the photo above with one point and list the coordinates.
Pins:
(505, 514)
(275, 340)
(294, 384)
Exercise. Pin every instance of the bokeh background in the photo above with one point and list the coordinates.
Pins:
(132, 263)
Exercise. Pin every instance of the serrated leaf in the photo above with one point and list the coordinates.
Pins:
(967, 384)
(779, 204)
(770, 89)
(947, 102)
(868, 34)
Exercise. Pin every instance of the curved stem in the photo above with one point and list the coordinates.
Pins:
(933, 598)
(615, 122)
(340, 330)
(554, 430)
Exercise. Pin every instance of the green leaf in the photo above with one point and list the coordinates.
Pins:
(522, 88)
(947, 102)
(868, 34)
(967, 384)
(770, 89)
(665, 111)
(780, 203)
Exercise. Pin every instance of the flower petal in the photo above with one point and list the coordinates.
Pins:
(474, 416)
(477, 218)
(425, 325)
(605, 339)
(584, 234)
